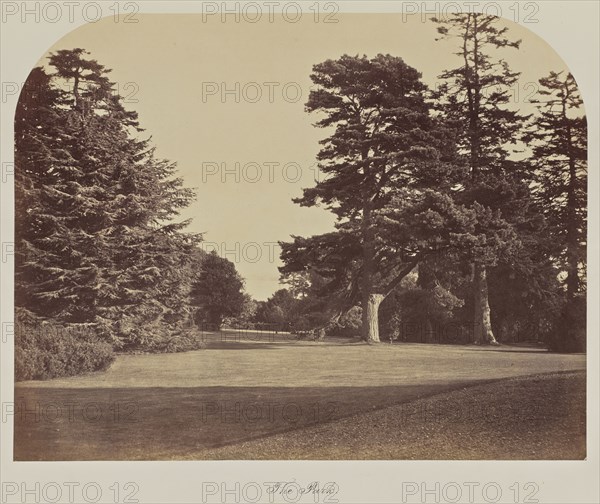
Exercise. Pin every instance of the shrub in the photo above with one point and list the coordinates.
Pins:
(45, 350)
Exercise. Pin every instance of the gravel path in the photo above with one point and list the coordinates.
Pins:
(525, 418)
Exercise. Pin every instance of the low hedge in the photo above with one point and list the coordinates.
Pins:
(45, 350)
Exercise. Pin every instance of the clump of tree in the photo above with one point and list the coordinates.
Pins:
(386, 155)
(97, 241)
(279, 312)
(217, 292)
(431, 185)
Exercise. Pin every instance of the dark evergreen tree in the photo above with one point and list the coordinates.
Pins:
(559, 154)
(559, 141)
(38, 155)
(475, 98)
(98, 245)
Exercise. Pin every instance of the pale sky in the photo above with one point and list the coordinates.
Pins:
(163, 64)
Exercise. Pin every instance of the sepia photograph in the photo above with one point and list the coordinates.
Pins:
(299, 234)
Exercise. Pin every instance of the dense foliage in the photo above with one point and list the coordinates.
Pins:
(446, 227)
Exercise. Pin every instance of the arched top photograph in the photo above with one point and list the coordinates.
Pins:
(283, 237)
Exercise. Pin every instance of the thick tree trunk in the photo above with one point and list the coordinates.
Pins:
(482, 326)
(370, 317)
(370, 300)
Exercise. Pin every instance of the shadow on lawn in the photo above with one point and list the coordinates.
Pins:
(171, 423)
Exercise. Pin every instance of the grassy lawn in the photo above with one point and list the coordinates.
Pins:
(247, 397)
